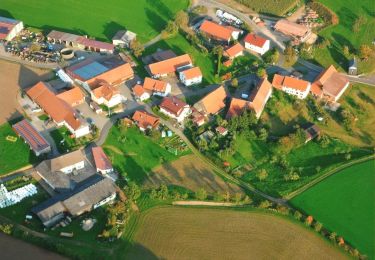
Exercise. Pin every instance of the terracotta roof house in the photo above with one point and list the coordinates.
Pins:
(145, 120)
(102, 163)
(32, 137)
(80, 42)
(175, 108)
(112, 71)
(73, 97)
(191, 76)
(236, 107)
(256, 43)
(60, 111)
(9, 28)
(219, 32)
(107, 95)
(234, 51)
(212, 103)
(157, 87)
(197, 117)
(168, 66)
(330, 84)
(297, 31)
(259, 96)
(292, 86)
(140, 93)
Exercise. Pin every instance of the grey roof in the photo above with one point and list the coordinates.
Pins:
(65, 160)
(353, 63)
(125, 36)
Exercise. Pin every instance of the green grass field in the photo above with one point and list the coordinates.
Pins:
(133, 153)
(95, 18)
(342, 34)
(181, 46)
(344, 203)
(13, 155)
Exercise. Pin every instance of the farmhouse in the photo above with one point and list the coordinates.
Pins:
(145, 120)
(219, 32)
(102, 163)
(32, 137)
(60, 111)
(80, 42)
(256, 101)
(234, 51)
(112, 71)
(73, 97)
(175, 108)
(212, 103)
(292, 86)
(330, 84)
(123, 38)
(297, 31)
(157, 87)
(168, 66)
(9, 28)
(191, 76)
(107, 95)
(140, 93)
(256, 43)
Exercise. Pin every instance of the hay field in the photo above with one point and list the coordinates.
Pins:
(13, 77)
(191, 173)
(192, 233)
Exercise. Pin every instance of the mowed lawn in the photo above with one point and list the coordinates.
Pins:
(13, 155)
(342, 34)
(100, 19)
(192, 233)
(134, 154)
(344, 203)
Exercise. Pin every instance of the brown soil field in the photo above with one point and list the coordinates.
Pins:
(13, 77)
(191, 173)
(192, 233)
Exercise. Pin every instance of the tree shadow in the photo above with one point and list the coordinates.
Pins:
(6, 13)
(111, 28)
(27, 77)
(155, 20)
(348, 15)
(161, 7)
(139, 251)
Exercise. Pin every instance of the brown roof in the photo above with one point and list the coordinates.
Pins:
(259, 96)
(290, 82)
(169, 65)
(255, 40)
(58, 109)
(145, 120)
(105, 91)
(113, 76)
(330, 82)
(237, 106)
(66, 160)
(101, 160)
(154, 85)
(173, 105)
(290, 28)
(213, 102)
(234, 50)
(73, 96)
(216, 30)
(192, 73)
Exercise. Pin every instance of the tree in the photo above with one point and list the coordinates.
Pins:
(358, 23)
(261, 72)
(272, 56)
(182, 19)
(218, 50)
(170, 30)
(133, 191)
(265, 204)
(263, 134)
(318, 226)
(201, 194)
(348, 156)
(136, 47)
(247, 200)
(289, 53)
(218, 196)
(309, 220)
(262, 174)
(297, 215)
(234, 83)
(365, 51)
(163, 192)
(227, 196)
(237, 197)
(333, 236)
(318, 168)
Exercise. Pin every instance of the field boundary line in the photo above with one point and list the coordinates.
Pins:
(326, 175)
(203, 203)
(24, 168)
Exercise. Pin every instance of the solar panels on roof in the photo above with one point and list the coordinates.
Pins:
(91, 70)
(8, 20)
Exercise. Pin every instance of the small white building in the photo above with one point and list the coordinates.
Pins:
(123, 38)
(107, 95)
(256, 43)
(140, 93)
(175, 108)
(191, 76)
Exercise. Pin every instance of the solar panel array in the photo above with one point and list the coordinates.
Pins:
(90, 70)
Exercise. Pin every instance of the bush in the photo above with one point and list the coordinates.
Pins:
(201, 194)
(265, 204)
(328, 16)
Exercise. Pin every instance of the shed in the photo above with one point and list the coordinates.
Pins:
(353, 67)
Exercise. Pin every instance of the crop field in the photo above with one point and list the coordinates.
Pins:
(272, 7)
(191, 173)
(342, 35)
(191, 233)
(13, 155)
(95, 18)
(344, 203)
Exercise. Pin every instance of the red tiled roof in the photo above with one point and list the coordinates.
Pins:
(255, 40)
(216, 30)
(330, 82)
(101, 160)
(73, 96)
(192, 73)
(234, 50)
(105, 91)
(289, 82)
(259, 96)
(173, 105)
(213, 102)
(169, 65)
(155, 85)
(113, 76)
(138, 90)
(237, 106)
(145, 120)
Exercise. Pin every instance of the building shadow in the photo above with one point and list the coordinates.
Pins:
(111, 28)
(27, 77)
(6, 13)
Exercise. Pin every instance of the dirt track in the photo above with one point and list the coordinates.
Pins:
(13, 77)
